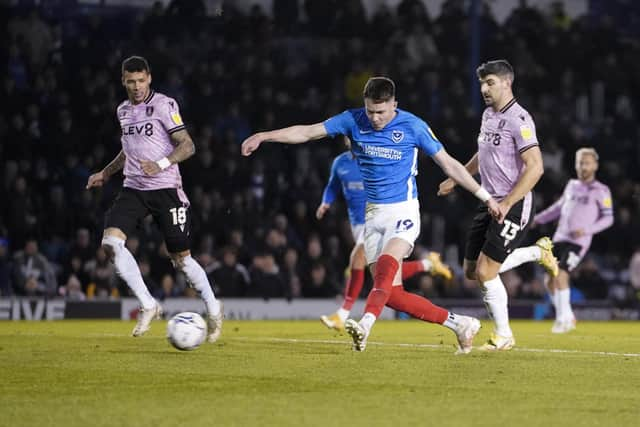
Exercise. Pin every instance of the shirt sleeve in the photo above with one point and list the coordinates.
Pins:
(552, 212)
(524, 133)
(606, 212)
(340, 124)
(333, 186)
(426, 139)
(169, 115)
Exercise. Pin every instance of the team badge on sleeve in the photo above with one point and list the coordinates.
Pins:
(175, 116)
(526, 132)
(607, 202)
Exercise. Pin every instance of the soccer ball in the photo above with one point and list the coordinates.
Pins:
(186, 331)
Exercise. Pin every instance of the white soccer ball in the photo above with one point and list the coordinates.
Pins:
(186, 331)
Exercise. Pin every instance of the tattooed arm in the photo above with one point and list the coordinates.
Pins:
(99, 178)
(185, 148)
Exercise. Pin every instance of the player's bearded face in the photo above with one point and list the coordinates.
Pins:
(137, 84)
(380, 113)
(586, 167)
(493, 89)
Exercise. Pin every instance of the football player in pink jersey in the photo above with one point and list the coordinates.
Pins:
(154, 140)
(584, 209)
(510, 164)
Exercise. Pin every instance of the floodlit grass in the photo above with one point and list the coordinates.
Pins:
(267, 373)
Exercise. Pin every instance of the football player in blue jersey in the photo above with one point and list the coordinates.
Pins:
(385, 142)
(345, 178)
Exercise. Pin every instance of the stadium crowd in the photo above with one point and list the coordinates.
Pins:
(234, 73)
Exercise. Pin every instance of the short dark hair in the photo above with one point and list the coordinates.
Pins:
(379, 89)
(135, 63)
(499, 67)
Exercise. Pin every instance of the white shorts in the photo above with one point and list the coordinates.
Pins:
(357, 230)
(384, 222)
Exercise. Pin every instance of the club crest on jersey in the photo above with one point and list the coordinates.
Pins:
(397, 135)
(149, 111)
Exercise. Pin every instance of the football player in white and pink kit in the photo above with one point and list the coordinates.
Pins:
(584, 209)
(154, 140)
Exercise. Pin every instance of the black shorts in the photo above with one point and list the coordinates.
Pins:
(495, 240)
(568, 254)
(171, 214)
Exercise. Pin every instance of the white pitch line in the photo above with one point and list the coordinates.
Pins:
(436, 346)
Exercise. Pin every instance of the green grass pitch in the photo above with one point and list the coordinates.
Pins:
(297, 373)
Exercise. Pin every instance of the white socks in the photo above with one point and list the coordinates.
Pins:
(342, 314)
(521, 256)
(563, 304)
(496, 300)
(451, 322)
(127, 268)
(198, 279)
(426, 264)
(367, 321)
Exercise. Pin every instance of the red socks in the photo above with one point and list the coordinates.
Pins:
(353, 288)
(417, 306)
(411, 268)
(386, 269)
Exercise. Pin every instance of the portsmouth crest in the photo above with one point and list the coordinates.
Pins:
(149, 111)
(397, 135)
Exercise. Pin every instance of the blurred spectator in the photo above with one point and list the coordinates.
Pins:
(72, 289)
(229, 278)
(266, 279)
(634, 278)
(33, 274)
(318, 286)
(167, 289)
(102, 276)
(5, 268)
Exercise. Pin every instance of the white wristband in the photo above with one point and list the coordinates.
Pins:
(482, 194)
(163, 163)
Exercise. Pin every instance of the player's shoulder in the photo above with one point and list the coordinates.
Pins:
(599, 185)
(359, 115)
(517, 113)
(408, 117)
(411, 121)
(124, 104)
(158, 98)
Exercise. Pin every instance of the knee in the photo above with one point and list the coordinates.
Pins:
(358, 260)
(110, 245)
(482, 275)
(178, 261)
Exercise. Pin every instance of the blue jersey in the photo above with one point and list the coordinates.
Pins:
(388, 158)
(345, 175)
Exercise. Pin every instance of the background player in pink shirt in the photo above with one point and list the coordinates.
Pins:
(154, 140)
(584, 209)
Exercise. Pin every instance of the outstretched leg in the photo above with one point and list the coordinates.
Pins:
(197, 278)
